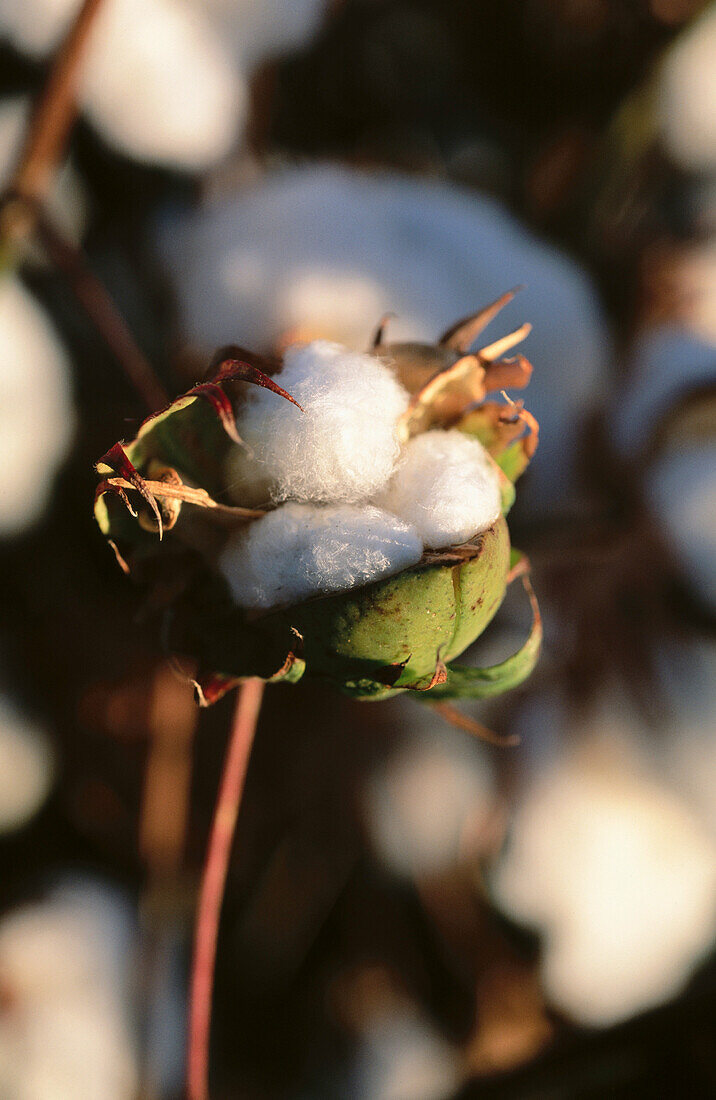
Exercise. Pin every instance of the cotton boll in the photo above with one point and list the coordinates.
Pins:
(259, 29)
(681, 490)
(35, 27)
(64, 969)
(344, 445)
(300, 550)
(26, 767)
(36, 415)
(427, 805)
(446, 487)
(429, 252)
(615, 872)
(159, 84)
(687, 96)
(667, 361)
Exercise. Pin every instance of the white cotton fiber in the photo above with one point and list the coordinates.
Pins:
(343, 447)
(446, 486)
(301, 550)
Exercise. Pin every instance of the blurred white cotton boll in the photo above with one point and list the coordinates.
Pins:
(26, 767)
(427, 805)
(65, 965)
(446, 486)
(35, 27)
(344, 445)
(36, 413)
(67, 201)
(159, 83)
(259, 29)
(427, 251)
(666, 362)
(401, 1057)
(614, 870)
(686, 748)
(300, 550)
(687, 96)
(681, 490)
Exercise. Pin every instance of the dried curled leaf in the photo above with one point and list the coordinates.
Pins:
(463, 384)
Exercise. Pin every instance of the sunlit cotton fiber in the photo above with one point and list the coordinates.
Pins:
(446, 486)
(343, 446)
(301, 550)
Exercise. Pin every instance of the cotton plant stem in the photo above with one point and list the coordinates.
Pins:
(213, 882)
(99, 306)
(52, 119)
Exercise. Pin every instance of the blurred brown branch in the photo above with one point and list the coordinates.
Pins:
(52, 119)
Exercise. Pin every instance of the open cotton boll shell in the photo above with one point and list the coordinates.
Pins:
(159, 84)
(436, 608)
(26, 767)
(36, 414)
(301, 550)
(446, 486)
(343, 446)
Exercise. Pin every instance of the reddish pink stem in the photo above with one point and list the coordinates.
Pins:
(211, 894)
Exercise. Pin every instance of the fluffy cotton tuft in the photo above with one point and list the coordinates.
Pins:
(343, 447)
(301, 550)
(447, 487)
(36, 415)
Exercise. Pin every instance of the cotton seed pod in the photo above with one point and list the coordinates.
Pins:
(398, 630)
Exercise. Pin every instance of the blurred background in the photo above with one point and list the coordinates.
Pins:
(410, 914)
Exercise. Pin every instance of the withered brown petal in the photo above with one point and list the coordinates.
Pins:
(464, 332)
(117, 461)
